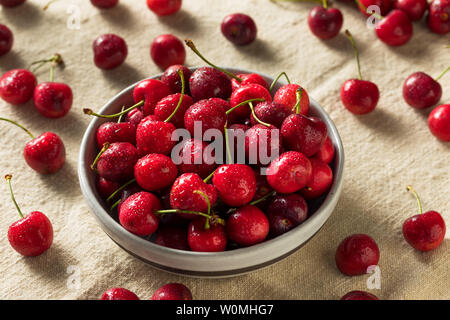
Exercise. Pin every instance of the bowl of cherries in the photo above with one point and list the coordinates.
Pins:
(210, 171)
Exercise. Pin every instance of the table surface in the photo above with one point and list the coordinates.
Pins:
(385, 150)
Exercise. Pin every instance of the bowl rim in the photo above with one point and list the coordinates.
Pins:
(115, 231)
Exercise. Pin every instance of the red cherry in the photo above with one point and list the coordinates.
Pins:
(209, 112)
(164, 7)
(287, 95)
(45, 154)
(262, 144)
(202, 239)
(32, 235)
(239, 28)
(415, 9)
(154, 136)
(116, 132)
(421, 91)
(395, 29)
(104, 4)
(326, 152)
(206, 82)
(356, 253)
(247, 226)
(172, 78)
(155, 171)
(262, 188)
(137, 213)
(195, 159)
(173, 237)
(172, 291)
(128, 192)
(118, 293)
(325, 23)
(438, 19)
(285, 212)
(151, 91)
(321, 180)
(235, 183)
(439, 122)
(384, 5)
(167, 50)
(425, 231)
(117, 162)
(134, 117)
(247, 92)
(110, 51)
(6, 39)
(167, 105)
(11, 3)
(53, 99)
(106, 187)
(248, 78)
(359, 295)
(17, 86)
(290, 172)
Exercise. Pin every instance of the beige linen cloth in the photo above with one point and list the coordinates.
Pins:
(385, 150)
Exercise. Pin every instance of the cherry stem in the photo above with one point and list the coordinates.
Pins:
(20, 126)
(442, 74)
(242, 103)
(105, 147)
(183, 211)
(355, 49)
(419, 203)
(115, 205)
(208, 203)
(206, 180)
(92, 113)
(325, 4)
(48, 4)
(274, 82)
(55, 60)
(191, 45)
(121, 116)
(270, 194)
(256, 118)
(8, 178)
(227, 145)
(120, 189)
(299, 94)
(183, 85)
(362, 6)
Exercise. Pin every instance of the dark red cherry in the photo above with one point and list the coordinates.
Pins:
(165, 107)
(421, 91)
(154, 136)
(116, 132)
(262, 188)
(173, 237)
(287, 95)
(17, 86)
(286, 212)
(247, 226)
(137, 213)
(134, 117)
(45, 154)
(439, 122)
(105, 4)
(438, 19)
(395, 29)
(173, 80)
(206, 82)
(167, 50)
(172, 291)
(262, 144)
(356, 253)
(117, 162)
(384, 5)
(53, 99)
(106, 187)
(321, 180)
(239, 28)
(155, 171)
(326, 152)
(359, 295)
(271, 112)
(118, 293)
(325, 23)
(11, 3)
(110, 51)
(6, 39)
(359, 96)
(201, 239)
(208, 114)
(248, 78)
(415, 9)
(150, 90)
(247, 92)
(164, 7)
(194, 159)
(290, 172)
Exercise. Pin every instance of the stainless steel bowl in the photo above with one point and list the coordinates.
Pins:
(205, 264)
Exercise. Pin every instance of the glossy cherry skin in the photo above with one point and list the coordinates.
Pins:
(173, 80)
(116, 132)
(287, 95)
(53, 99)
(155, 171)
(150, 90)
(303, 134)
(32, 235)
(164, 7)
(173, 237)
(167, 50)
(208, 112)
(167, 105)
(235, 183)
(248, 78)
(356, 253)
(271, 112)
(286, 212)
(425, 232)
(137, 213)
(421, 91)
(17, 86)
(172, 291)
(194, 159)
(262, 144)
(247, 92)
(439, 122)
(11, 3)
(395, 29)
(326, 152)
(6, 39)
(247, 226)
(45, 154)
(154, 136)
(290, 172)
(384, 5)
(439, 16)
(117, 162)
(105, 187)
(359, 295)
(359, 96)
(320, 182)
(415, 9)
(201, 239)
(110, 51)
(105, 4)
(239, 29)
(135, 116)
(206, 82)
(119, 294)
(325, 23)
(126, 193)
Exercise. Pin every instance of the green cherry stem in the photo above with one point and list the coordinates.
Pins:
(182, 211)
(105, 147)
(362, 6)
(243, 103)
(115, 205)
(325, 4)
(8, 178)
(120, 189)
(270, 194)
(419, 203)
(183, 85)
(299, 94)
(256, 118)
(206, 180)
(121, 116)
(274, 82)
(20, 126)
(92, 113)
(192, 46)
(442, 74)
(355, 49)
(204, 196)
